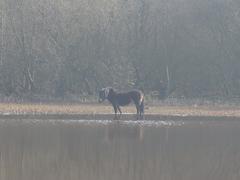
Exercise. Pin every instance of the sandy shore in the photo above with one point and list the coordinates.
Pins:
(91, 109)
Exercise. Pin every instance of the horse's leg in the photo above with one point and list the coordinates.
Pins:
(138, 110)
(141, 108)
(119, 109)
(138, 107)
(115, 110)
(140, 113)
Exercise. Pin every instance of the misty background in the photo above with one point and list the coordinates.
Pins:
(72, 48)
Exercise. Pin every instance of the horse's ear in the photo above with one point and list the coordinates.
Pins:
(106, 91)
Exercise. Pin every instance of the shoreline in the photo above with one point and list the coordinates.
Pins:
(124, 117)
(105, 111)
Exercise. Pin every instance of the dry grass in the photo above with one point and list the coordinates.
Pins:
(12, 108)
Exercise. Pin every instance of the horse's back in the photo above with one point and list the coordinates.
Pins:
(137, 94)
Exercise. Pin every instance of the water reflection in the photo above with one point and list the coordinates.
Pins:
(129, 150)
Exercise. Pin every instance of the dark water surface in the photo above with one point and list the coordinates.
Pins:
(124, 150)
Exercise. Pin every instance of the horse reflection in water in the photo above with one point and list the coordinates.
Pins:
(117, 130)
(123, 99)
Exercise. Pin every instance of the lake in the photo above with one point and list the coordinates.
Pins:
(119, 150)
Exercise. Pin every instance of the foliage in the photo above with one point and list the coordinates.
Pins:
(61, 48)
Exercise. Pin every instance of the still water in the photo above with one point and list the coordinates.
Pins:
(119, 150)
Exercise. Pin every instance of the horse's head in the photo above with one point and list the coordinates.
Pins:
(103, 94)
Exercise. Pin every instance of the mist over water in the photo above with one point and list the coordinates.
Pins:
(116, 150)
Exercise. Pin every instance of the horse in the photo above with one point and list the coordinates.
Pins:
(123, 99)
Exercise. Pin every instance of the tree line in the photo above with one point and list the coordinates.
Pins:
(71, 48)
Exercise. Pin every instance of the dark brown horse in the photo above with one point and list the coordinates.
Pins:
(123, 99)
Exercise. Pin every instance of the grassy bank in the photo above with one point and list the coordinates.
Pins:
(14, 108)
